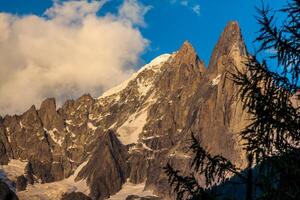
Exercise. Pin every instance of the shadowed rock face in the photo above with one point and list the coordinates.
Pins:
(136, 197)
(49, 116)
(3, 154)
(21, 183)
(132, 132)
(106, 169)
(6, 193)
(75, 196)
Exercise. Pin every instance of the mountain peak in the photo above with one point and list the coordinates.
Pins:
(233, 25)
(48, 103)
(230, 43)
(187, 55)
(186, 48)
(187, 45)
(232, 32)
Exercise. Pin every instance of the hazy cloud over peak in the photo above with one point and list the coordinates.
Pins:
(67, 52)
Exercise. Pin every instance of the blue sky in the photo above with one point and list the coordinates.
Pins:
(170, 22)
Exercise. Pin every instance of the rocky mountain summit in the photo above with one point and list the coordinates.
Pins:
(97, 147)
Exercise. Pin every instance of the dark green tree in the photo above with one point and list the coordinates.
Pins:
(273, 136)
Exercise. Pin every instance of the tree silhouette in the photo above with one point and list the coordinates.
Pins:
(272, 139)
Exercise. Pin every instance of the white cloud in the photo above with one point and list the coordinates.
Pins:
(184, 3)
(188, 4)
(196, 9)
(74, 11)
(133, 11)
(67, 52)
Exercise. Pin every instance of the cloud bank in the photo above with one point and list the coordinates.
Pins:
(68, 51)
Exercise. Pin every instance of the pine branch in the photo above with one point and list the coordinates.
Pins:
(284, 40)
(266, 96)
(186, 187)
(216, 169)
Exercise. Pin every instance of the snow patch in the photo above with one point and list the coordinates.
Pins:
(113, 125)
(58, 140)
(155, 65)
(79, 107)
(97, 118)
(179, 155)
(69, 131)
(69, 121)
(146, 147)
(151, 137)
(8, 138)
(8, 134)
(130, 130)
(144, 87)
(54, 191)
(216, 80)
(131, 189)
(14, 169)
(21, 124)
(10, 172)
(91, 126)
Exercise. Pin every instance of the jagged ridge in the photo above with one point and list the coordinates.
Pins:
(152, 114)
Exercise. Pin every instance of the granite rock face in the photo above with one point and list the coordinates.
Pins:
(133, 130)
(220, 115)
(55, 142)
